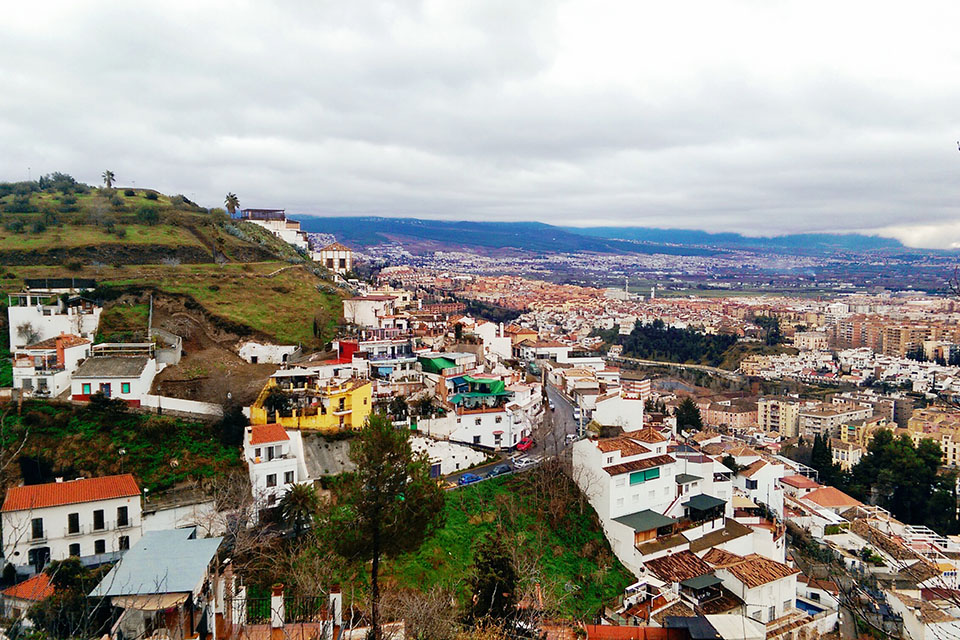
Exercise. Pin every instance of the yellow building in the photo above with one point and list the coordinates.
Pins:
(940, 424)
(861, 432)
(298, 399)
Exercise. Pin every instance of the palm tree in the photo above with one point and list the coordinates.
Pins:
(299, 507)
(232, 203)
(108, 178)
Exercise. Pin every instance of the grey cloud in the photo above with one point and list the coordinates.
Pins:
(498, 110)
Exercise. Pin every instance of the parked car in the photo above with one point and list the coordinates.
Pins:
(525, 444)
(468, 478)
(553, 407)
(499, 470)
(576, 415)
(571, 438)
(522, 463)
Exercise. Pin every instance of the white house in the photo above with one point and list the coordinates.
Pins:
(38, 314)
(94, 519)
(257, 353)
(760, 480)
(615, 409)
(45, 368)
(126, 377)
(368, 311)
(276, 222)
(275, 461)
(768, 588)
(336, 257)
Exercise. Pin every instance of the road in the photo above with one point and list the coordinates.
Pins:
(549, 437)
(723, 373)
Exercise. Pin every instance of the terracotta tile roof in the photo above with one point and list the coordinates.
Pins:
(798, 481)
(756, 570)
(624, 445)
(262, 433)
(830, 497)
(647, 434)
(68, 340)
(703, 436)
(752, 468)
(54, 494)
(678, 609)
(720, 558)
(36, 588)
(637, 465)
(336, 246)
(678, 567)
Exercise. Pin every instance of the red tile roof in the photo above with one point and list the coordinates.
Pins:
(798, 481)
(262, 433)
(678, 567)
(55, 494)
(756, 570)
(36, 588)
(69, 340)
(831, 497)
(637, 465)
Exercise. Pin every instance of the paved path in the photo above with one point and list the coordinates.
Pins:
(724, 373)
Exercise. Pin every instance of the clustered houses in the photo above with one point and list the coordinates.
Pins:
(49, 307)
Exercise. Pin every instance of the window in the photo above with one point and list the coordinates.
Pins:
(73, 523)
(36, 526)
(270, 453)
(621, 482)
(329, 263)
(124, 543)
(99, 546)
(75, 549)
(638, 477)
(497, 438)
(288, 477)
(652, 495)
(751, 484)
(619, 502)
(772, 613)
(124, 387)
(476, 439)
(271, 480)
(98, 519)
(256, 452)
(787, 605)
(609, 460)
(105, 388)
(499, 420)
(477, 422)
(123, 516)
(343, 263)
(85, 388)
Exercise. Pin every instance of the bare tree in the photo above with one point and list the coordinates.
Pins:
(28, 333)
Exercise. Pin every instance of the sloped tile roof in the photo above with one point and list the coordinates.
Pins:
(625, 446)
(36, 588)
(68, 340)
(262, 433)
(54, 494)
(756, 570)
(637, 465)
(678, 567)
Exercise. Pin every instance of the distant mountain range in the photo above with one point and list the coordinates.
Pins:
(802, 241)
(539, 237)
(452, 235)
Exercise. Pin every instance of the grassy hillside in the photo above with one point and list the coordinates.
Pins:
(555, 539)
(137, 240)
(72, 441)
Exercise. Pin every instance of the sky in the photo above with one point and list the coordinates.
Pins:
(754, 116)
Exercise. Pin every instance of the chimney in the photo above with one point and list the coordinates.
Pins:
(277, 612)
(60, 357)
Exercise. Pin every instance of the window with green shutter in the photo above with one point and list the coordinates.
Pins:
(637, 477)
(651, 474)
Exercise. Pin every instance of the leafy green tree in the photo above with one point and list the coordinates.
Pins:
(389, 506)
(277, 400)
(108, 178)
(688, 415)
(232, 203)
(299, 507)
(493, 583)
(771, 329)
(906, 480)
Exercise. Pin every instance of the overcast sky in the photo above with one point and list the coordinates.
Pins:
(758, 116)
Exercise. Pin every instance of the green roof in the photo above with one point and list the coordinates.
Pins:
(646, 520)
(497, 387)
(684, 478)
(701, 582)
(703, 502)
(436, 365)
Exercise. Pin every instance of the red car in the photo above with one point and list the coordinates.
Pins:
(525, 444)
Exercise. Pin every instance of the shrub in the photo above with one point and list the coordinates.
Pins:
(129, 192)
(38, 226)
(148, 214)
(120, 232)
(74, 266)
(151, 195)
(16, 226)
(20, 204)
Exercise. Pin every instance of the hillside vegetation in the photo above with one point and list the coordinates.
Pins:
(239, 276)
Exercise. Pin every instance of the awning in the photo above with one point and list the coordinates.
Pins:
(498, 433)
(703, 502)
(701, 582)
(646, 520)
(742, 502)
(151, 602)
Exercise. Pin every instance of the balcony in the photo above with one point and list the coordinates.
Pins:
(342, 411)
